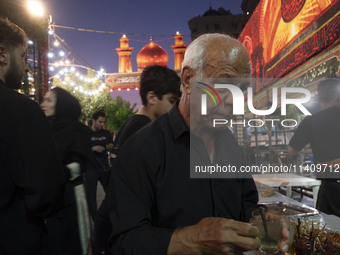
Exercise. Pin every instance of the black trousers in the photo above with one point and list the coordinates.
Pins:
(328, 197)
(94, 174)
(102, 229)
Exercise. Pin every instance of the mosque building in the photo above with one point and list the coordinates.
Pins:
(150, 54)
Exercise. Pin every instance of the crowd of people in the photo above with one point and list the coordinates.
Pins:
(51, 163)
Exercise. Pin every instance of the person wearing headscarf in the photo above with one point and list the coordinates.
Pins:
(69, 231)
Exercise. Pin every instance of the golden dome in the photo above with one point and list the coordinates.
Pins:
(151, 54)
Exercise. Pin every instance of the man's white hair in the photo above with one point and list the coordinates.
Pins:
(195, 56)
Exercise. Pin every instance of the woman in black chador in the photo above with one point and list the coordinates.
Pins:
(69, 231)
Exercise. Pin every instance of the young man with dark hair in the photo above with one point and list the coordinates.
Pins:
(159, 90)
(31, 176)
(98, 114)
(322, 131)
(152, 77)
(97, 169)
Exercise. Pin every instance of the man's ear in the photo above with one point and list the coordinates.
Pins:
(151, 98)
(3, 55)
(186, 75)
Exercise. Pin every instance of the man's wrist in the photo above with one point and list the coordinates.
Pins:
(182, 242)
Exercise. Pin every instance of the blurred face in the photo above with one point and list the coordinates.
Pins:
(17, 67)
(163, 106)
(48, 105)
(223, 60)
(98, 124)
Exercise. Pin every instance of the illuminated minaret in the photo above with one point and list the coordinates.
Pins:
(179, 49)
(124, 53)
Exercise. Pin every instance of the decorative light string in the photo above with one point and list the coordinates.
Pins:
(78, 80)
(156, 41)
(60, 51)
(63, 67)
(112, 32)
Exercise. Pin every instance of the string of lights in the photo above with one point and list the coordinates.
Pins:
(156, 41)
(169, 36)
(72, 74)
(71, 77)
(70, 49)
(68, 73)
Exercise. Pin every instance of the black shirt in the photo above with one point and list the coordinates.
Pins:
(31, 176)
(322, 131)
(101, 138)
(131, 126)
(151, 193)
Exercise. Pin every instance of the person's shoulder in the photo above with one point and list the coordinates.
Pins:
(86, 130)
(308, 119)
(159, 126)
(107, 133)
(325, 114)
(13, 97)
(335, 110)
(151, 133)
(131, 126)
(17, 103)
(138, 119)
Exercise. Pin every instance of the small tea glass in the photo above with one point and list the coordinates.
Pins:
(269, 225)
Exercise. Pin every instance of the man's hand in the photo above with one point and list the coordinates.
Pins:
(98, 148)
(214, 236)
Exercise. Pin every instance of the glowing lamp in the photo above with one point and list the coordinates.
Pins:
(35, 8)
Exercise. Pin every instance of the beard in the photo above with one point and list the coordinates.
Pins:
(13, 77)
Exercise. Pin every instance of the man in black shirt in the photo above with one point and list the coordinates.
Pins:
(155, 207)
(31, 176)
(159, 90)
(322, 131)
(97, 169)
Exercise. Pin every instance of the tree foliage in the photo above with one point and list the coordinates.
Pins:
(117, 111)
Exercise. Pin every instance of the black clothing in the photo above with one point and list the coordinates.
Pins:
(102, 226)
(94, 173)
(71, 138)
(97, 169)
(131, 126)
(328, 197)
(151, 193)
(322, 131)
(70, 135)
(31, 177)
(101, 138)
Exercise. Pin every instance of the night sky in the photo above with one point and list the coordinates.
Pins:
(133, 17)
